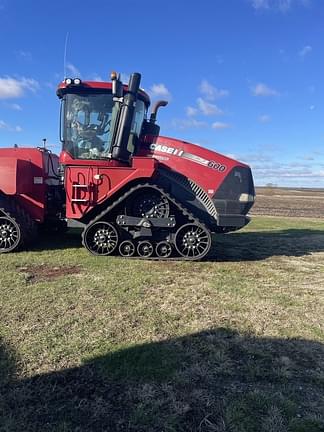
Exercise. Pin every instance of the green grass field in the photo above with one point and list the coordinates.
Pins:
(234, 343)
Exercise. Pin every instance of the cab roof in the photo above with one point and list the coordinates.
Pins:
(95, 87)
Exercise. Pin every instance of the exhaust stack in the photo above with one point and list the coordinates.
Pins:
(125, 115)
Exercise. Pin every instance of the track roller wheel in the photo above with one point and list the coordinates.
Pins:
(101, 238)
(192, 241)
(10, 234)
(127, 248)
(149, 203)
(145, 249)
(163, 249)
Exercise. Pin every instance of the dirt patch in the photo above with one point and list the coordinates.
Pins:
(43, 272)
(289, 202)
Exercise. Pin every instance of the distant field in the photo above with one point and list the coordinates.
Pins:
(289, 202)
(234, 343)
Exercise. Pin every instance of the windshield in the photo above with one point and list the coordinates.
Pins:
(87, 131)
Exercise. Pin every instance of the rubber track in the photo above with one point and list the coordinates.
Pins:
(180, 207)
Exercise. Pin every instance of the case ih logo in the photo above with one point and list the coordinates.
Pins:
(192, 157)
(166, 149)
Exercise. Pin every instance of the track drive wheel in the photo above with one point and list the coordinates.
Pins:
(192, 241)
(10, 234)
(148, 203)
(127, 248)
(163, 249)
(101, 238)
(145, 249)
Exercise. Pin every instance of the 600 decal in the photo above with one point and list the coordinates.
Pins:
(216, 166)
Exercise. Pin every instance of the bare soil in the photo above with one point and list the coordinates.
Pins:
(43, 273)
(289, 202)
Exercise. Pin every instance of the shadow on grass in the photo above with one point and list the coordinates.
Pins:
(259, 245)
(239, 246)
(216, 380)
(57, 240)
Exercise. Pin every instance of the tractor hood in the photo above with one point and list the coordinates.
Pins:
(227, 182)
(206, 167)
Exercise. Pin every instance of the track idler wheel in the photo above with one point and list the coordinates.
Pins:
(101, 238)
(163, 249)
(10, 234)
(127, 248)
(192, 241)
(145, 249)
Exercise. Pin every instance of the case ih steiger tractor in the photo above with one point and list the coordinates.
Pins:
(135, 193)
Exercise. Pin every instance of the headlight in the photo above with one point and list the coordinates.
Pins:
(244, 197)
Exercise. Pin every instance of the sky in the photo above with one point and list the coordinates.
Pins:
(244, 78)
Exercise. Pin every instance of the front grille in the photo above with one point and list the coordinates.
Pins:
(227, 198)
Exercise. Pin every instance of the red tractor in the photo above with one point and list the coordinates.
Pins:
(132, 191)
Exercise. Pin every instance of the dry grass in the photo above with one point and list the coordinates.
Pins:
(235, 343)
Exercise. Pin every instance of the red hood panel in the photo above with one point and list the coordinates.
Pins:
(205, 167)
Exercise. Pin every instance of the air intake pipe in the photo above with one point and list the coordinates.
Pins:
(125, 119)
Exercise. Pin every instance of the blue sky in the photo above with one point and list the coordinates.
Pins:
(243, 77)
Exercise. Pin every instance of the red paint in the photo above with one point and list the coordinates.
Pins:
(207, 177)
(20, 168)
(90, 184)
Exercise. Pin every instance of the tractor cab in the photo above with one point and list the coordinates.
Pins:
(101, 120)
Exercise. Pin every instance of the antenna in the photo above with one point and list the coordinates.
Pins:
(65, 50)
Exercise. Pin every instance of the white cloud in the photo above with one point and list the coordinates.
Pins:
(124, 77)
(191, 111)
(277, 5)
(305, 51)
(260, 4)
(220, 125)
(16, 107)
(264, 118)
(13, 106)
(96, 77)
(188, 123)
(5, 126)
(261, 89)
(210, 92)
(207, 108)
(73, 70)
(25, 55)
(267, 169)
(231, 156)
(159, 91)
(11, 88)
(308, 158)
